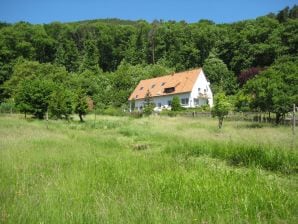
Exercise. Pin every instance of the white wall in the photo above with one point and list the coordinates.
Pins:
(163, 100)
(203, 84)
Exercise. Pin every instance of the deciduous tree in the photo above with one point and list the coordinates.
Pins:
(221, 108)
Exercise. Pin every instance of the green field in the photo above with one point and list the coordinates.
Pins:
(148, 170)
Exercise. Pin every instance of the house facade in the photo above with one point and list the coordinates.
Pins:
(191, 87)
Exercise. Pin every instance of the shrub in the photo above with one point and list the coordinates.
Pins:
(169, 113)
(7, 107)
(221, 107)
(176, 106)
(136, 114)
(113, 111)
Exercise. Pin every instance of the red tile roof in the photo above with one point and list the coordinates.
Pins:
(182, 81)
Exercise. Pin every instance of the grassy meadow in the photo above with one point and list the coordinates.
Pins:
(148, 170)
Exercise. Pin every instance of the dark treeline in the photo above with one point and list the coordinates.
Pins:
(103, 60)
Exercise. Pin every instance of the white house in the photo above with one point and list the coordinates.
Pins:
(191, 87)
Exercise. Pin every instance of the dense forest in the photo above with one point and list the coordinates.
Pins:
(62, 67)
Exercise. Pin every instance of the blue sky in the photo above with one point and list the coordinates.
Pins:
(220, 11)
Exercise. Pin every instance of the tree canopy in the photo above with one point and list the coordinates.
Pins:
(105, 59)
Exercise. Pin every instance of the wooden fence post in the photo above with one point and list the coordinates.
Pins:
(47, 117)
(294, 119)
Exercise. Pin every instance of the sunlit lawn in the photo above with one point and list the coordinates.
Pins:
(148, 170)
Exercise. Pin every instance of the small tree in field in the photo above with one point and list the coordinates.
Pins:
(176, 106)
(61, 103)
(149, 105)
(81, 106)
(221, 107)
(32, 96)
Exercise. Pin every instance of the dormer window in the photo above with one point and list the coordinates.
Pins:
(152, 86)
(141, 88)
(162, 84)
(169, 90)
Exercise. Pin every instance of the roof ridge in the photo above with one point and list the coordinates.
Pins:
(172, 74)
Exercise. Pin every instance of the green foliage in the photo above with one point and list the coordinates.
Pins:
(169, 113)
(176, 106)
(33, 96)
(67, 55)
(219, 76)
(242, 102)
(148, 104)
(8, 106)
(107, 58)
(221, 107)
(61, 103)
(126, 78)
(132, 105)
(113, 111)
(81, 106)
(91, 57)
(249, 155)
(276, 89)
(186, 166)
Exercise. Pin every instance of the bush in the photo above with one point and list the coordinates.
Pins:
(7, 107)
(176, 106)
(136, 114)
(169, 113)
(113, 111)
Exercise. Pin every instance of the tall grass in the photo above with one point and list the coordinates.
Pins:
(86, 173)
(262, 156)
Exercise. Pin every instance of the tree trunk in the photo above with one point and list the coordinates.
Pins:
(94, 118)
(269, 116)
(81, 118)
(220, 120)
(277, 118)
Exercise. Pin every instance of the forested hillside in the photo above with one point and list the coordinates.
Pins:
(54, 66)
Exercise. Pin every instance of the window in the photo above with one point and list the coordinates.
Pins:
(199, 89)
(162, 84)
(153, 86)
(184, 101)
(137, 96)
(196, 101)
(159, 105)
(142, 88)
(170, 102)
(169, 90)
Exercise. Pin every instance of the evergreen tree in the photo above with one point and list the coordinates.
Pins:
(148, 105)
(91, 57)
(67, 55)
(176, 106)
